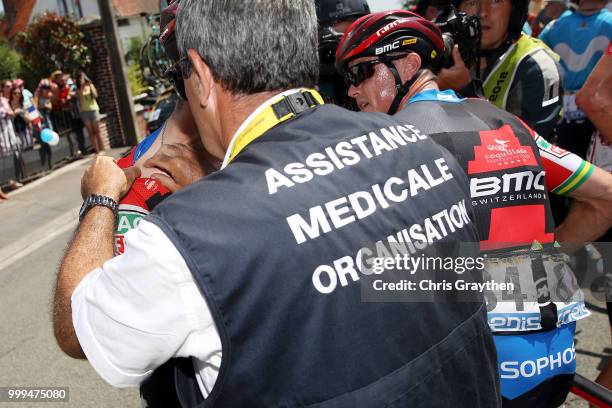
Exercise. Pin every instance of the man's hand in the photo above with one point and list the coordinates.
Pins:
(105, 178)
(181, 165)
(457, 76)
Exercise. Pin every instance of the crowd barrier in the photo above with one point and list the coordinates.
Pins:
(34, 160)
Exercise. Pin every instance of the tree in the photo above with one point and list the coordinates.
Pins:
(53, 42)
(10, 62)
(136, 79)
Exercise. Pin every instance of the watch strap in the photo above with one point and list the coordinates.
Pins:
(94, 200)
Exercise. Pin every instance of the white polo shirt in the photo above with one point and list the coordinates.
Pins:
(143, 307)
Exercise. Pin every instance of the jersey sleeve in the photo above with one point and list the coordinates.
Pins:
(565, 171)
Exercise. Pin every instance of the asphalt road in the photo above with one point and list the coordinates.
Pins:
(36, 225)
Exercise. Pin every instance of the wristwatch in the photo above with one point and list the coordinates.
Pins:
(94, 200)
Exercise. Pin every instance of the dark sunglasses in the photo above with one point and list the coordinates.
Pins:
(358, 73)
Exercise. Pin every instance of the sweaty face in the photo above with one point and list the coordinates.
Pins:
(494, 17)
(376, 93)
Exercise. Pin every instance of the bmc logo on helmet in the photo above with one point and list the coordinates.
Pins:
(387, 48)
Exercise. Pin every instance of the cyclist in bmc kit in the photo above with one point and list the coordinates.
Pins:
(171, 157)
(390, 59)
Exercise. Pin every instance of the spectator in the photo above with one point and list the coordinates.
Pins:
(27, 95)
(42, 101)
(71, 111)
(23, 128)
(7, 135)
(9, 143)
(87, 94)
(63, 108)
(54, 80)
(580, 39)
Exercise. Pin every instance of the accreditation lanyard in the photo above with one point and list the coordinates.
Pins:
(280, 109)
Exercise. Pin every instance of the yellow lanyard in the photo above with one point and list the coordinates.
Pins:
(285, 108)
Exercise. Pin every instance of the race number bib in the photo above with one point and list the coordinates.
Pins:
(571, 111)
(516, 309)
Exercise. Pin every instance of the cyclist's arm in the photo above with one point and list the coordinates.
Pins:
(590, 215)
(567, 174)
(595, 97)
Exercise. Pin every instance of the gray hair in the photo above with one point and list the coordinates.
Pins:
(252, 45)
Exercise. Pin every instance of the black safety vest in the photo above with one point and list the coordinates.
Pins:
(291, 336)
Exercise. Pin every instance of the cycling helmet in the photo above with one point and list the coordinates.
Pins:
(330, 11)
(384, 35)
(167, 37)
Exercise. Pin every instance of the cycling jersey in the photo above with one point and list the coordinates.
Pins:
(511, 169)
(142, 197)
(580, 40)
(489, 143)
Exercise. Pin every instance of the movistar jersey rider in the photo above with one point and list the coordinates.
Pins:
(580, 40)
